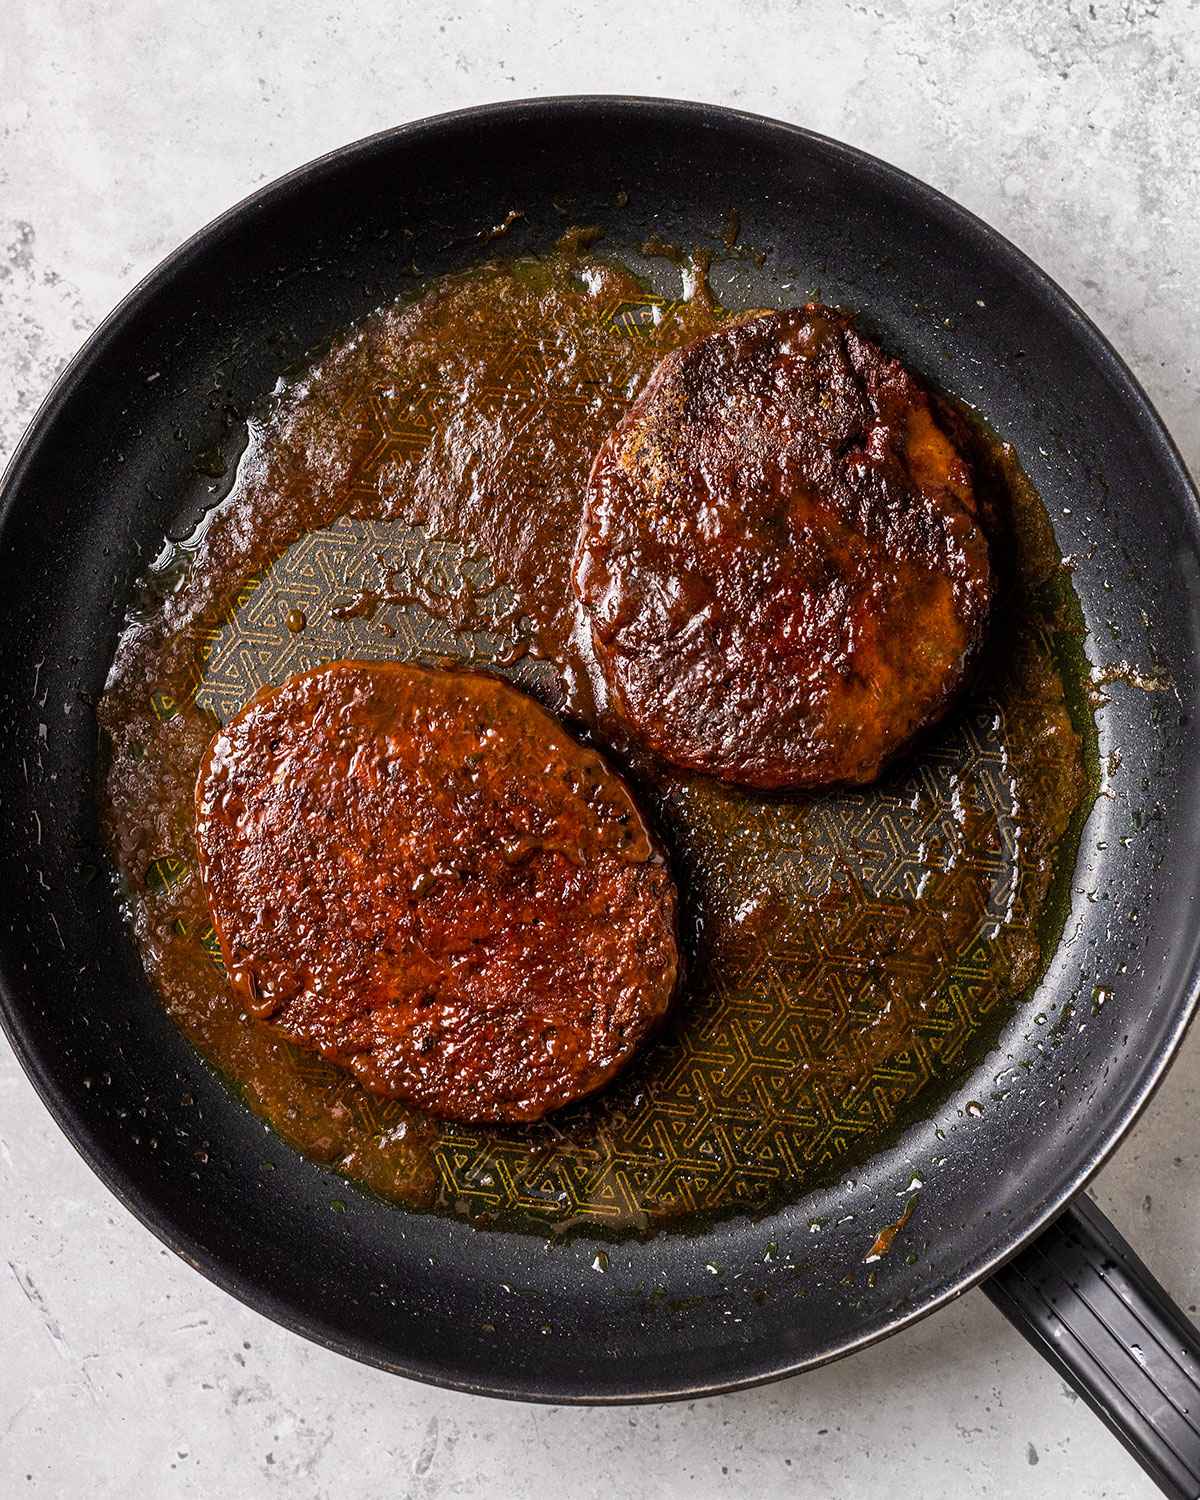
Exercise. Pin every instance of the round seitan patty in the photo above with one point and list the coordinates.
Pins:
(780, 557)
(421, 876)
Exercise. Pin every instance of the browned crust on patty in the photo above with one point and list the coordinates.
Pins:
(422, 877)
(780, 557)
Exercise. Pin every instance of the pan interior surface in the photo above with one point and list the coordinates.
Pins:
(416, 495)
(747, 1297)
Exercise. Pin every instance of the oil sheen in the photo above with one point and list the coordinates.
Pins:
(416, 495)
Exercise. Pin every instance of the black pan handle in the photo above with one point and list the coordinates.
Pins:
(1086, 1303)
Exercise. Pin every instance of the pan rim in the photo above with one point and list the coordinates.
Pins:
(262, 1298)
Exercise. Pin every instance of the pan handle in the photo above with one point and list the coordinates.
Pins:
(1086, 1303)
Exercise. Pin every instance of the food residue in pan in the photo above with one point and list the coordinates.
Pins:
(882, 1244)
(416, 495)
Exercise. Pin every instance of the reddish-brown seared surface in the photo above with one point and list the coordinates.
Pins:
(779, 556)
(420, 875)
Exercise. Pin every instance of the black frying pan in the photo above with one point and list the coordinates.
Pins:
(86, 500)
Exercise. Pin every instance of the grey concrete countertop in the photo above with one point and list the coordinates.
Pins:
(1072, 127)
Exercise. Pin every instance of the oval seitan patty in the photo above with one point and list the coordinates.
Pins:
(780, 558)
(421, 876)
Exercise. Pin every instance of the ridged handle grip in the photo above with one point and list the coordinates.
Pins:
(1086, 1302)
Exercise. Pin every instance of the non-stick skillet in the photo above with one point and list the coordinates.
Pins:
(87, 498)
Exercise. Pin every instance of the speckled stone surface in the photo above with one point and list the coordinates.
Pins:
(1072, 127)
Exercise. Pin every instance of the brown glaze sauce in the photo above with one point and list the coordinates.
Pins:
(416, 496)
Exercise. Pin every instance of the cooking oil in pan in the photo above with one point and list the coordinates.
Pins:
(415, 496)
